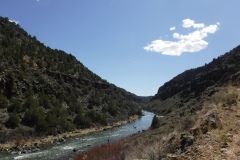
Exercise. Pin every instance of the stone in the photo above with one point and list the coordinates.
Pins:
(185, 142)
(206, 123)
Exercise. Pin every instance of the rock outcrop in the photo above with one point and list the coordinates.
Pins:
(206, 123)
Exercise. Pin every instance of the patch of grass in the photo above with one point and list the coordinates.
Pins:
(222, 98)
(187, 123)
(225, 138)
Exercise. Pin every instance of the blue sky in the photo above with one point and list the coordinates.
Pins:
(137, 45)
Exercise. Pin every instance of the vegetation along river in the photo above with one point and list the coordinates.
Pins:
(64, 150)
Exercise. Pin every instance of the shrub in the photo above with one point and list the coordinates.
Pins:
(13, 120)
(82, 121)
(52, 119)
(32, 117)
(41, 126)
(3, 101)
(187, 123)
(44, 101)
(67, 125)
(112, 110)
(31, 102)
(16, 106)
(97, 117)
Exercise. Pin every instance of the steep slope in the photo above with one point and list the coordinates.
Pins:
(188, 88)
(211, 133)
(46, 91)
(199, 111)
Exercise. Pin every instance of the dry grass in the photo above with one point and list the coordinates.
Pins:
(224, 142)
(225, 96)
(113, 151)
(152, 148)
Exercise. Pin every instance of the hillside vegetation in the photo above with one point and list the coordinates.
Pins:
(45, 91)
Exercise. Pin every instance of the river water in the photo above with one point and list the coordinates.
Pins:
(64, 150)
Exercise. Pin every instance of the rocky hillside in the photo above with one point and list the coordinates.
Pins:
(46, 91)
(199, 115)
(187, 89)
(211, 133)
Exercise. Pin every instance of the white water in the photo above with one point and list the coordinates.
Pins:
(64, 150)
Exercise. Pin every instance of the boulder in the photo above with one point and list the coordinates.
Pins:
(206, 123)
(185, 142)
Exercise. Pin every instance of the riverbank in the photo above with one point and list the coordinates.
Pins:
(32, 144)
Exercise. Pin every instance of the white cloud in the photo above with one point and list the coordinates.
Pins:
(13, 21)
(172, 28)
(192, 42)
(187, 23)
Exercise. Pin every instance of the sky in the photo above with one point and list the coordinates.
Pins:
(137, 45)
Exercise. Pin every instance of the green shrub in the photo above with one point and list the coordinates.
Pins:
(13, 120)
(112, 110)
(41, 125)
(67, 125)
(31, 102)
(3, 101)
(97, 117)
(16, 106)
(33, 117)
(52, 119)
(44, 101)
(82, 122)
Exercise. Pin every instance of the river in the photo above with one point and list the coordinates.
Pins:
(64, 150)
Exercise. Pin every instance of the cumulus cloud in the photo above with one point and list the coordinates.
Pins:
(188, 23)
(172, 28)
(14, 21)
(191, 42)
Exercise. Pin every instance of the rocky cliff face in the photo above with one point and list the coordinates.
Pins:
(44, 91)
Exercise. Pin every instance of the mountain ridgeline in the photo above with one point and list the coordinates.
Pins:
(46, 91)
(187, 90)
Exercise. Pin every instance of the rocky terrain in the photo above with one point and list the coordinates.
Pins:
(212, 134)
(48, 92)
(199, 111)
